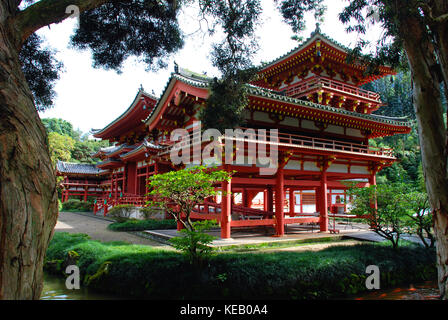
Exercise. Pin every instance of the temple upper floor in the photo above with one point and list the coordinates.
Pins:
(319, 71)
(311, 91)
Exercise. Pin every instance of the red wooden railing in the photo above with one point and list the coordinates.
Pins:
(301, 88)
(294, 140)
(106, 202)
(297, 141)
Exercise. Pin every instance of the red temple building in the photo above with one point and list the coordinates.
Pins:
(82, 180)
(311, 95)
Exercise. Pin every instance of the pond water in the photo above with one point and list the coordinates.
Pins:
(54, 289)
(422, 291)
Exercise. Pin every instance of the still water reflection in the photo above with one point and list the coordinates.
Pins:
(423, 291)
(54, 289)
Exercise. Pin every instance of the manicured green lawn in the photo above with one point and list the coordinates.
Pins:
(147, 272)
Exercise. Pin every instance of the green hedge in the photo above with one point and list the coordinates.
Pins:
(146, 272)
(140, 225)
(76, 206)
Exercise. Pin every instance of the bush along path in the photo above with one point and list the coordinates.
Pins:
(154, 273)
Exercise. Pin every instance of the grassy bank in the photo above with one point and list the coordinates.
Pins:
(143, 271)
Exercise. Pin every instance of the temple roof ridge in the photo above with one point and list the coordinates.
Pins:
(317, 33)
(181, 75)
(77, 168)
(140, 95)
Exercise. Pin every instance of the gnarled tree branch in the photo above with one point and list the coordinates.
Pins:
(46, 12)
(442, 18)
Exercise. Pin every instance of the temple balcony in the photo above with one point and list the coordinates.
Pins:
(335, 93)
(296, 144)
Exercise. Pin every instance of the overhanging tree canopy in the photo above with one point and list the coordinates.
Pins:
(115, 29)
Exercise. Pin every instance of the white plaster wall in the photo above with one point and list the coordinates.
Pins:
(359, 169)
(310, 166)
(337, 167)
(335, 129)
(293, 165)
(306, 124)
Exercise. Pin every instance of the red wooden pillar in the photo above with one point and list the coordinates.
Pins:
(146, 180)
(372, 179)
(292, 203)
(85, 190)
(270, 202)
(244, 197)
(279, 203)
(251, 194)
(372, 182)
(226, 208)
(323, 202)
(265, 200)
(115, 191)
(111, 184)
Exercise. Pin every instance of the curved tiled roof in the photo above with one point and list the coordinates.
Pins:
(144, 144)
(258, 91)
(140, 93)
(314, 35)
(204, 82)
(186, 76)
(77, 168)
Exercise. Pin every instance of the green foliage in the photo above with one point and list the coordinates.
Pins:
(84, 149)
(147, 29)
(407, 150)
(67, 144)
(76, 205)
(122, 212)
(60, 147)
(195, 244)
(140, 225)
(400, 209)
(233, 57)
(396, 94)
(389, 218)
(41, 71)
(179, 192)
(238, 19)
(227, 101)
(61, 127)
(420, 215)
(144, 272)
(293, 12)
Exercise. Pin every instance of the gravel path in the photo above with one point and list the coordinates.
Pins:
(96, 228)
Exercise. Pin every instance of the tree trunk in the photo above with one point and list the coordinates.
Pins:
(432, 132)
(28, 196)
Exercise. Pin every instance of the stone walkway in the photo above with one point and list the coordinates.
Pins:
(96, 228)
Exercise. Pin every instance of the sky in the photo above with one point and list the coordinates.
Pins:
(91, 98)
